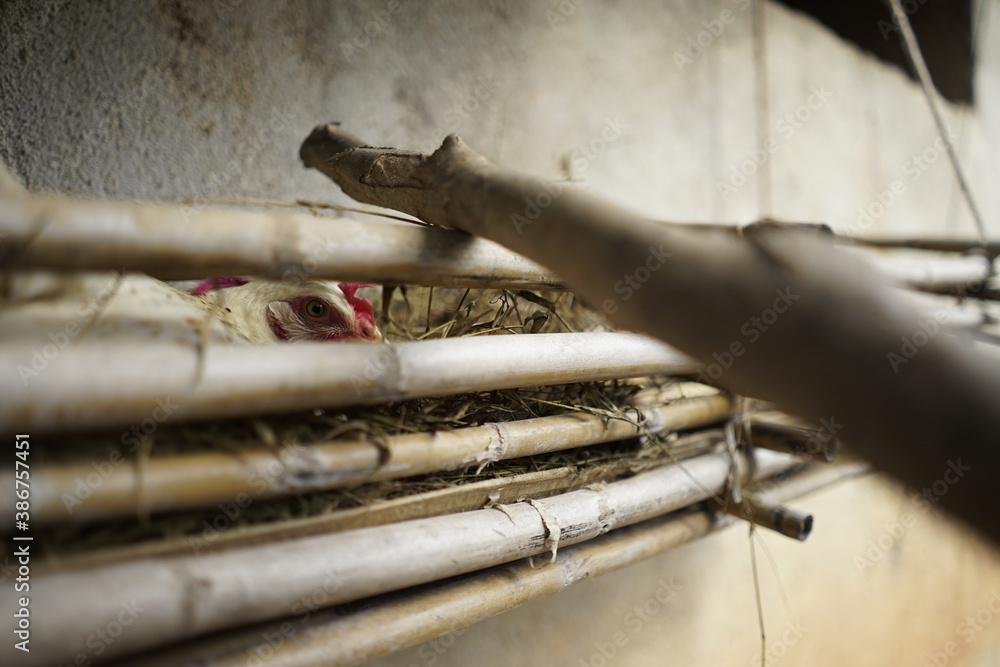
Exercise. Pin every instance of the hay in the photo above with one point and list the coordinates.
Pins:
(359, 632)
(167, 499)
(411, 313)
(188, 596)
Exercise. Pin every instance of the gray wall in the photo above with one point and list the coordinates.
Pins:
(169, 100)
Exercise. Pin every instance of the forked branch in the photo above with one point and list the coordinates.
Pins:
(775, 313)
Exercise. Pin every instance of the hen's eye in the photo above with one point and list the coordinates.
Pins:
(315, 308)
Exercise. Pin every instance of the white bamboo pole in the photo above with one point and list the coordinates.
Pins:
(392, 625)
(173, 483)
(216, 537)
(386, 626)
(936, 273)
(934, 244)
(139, 386)
(193, 242)
(181, 242)
(184, 597)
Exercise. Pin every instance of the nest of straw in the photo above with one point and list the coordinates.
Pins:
(406, 314)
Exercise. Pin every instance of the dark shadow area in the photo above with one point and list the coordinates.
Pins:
(943, 29)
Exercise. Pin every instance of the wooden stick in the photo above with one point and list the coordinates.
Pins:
(790, 523)
(95, 385)
(183, 242)
(395, 622)
(836, 343)
(782, 433)
(186, 597)
(186, 481)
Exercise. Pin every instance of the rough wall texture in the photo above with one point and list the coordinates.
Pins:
(170, 100)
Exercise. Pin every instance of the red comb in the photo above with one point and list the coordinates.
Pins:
(362, 307)
(218, 282)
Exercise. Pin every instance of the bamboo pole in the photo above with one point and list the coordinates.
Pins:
(790, 523)
(782, 433)
(185, 242)
(940, 245)
(186, 481)
(838, 344)
(462, 498)
(87, 386)
(186, 597)
(937, 275)
(193, 242)
(388, 624)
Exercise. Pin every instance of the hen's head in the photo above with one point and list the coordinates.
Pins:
(313, 310)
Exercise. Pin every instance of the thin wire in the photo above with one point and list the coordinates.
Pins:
(977, 21)
(917, 58)
(756, 591)
(764, 193)
(298, 204)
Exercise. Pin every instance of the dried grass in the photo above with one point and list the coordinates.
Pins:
(408, 313)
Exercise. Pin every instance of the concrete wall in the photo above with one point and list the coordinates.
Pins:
(166, 100)
(170, 100)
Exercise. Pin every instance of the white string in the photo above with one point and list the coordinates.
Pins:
(917, 58)
(764, 189)
(978, 20)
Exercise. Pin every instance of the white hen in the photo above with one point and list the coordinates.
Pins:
(265, 311)
(43, 308)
